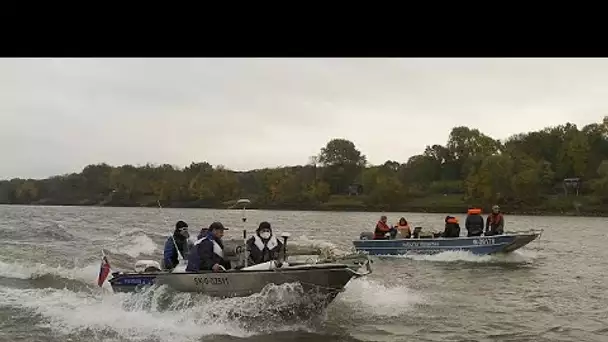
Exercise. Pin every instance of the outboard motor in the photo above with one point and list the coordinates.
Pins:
(145, 266)
(366, 236)
(285, 236)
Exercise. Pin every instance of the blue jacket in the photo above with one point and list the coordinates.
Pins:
(205, 253)
(170, 256)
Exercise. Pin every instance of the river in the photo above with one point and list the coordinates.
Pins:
(555, 289)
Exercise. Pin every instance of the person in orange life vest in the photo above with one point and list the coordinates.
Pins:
(452, 228)
(404, 228)
(263, 246)
(495, 223)
(382, 228)
(474, 222)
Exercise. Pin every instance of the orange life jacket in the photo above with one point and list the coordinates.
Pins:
(381, 229)
(474, 211)
(405, 227)
(495, 218)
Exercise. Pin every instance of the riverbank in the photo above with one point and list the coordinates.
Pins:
(584, 206)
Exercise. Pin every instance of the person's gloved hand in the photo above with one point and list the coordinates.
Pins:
(218, 268)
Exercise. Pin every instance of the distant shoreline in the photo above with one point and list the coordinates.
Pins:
(413, 210)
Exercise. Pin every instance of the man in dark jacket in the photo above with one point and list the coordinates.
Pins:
(179, 239)
(474, 222)
(263, 246)
(208, 252)
(495, 223)
(452, 228)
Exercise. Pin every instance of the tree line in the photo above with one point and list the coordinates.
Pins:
(524, 173)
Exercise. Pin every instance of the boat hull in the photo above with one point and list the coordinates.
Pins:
(479, 245)
(326, 279)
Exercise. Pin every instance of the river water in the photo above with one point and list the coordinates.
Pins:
(555, 289)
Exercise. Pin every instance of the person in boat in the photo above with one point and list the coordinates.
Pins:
(382, 228)
(200, 235)
(474, 222)
(452, 227)
(404, 228)
(495, 223)
(263, 246)
(175, 242)
(208, 251)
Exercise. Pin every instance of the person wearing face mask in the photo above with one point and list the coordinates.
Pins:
(263, 246)
(178, 240)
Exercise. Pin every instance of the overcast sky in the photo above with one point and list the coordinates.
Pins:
(58, 115)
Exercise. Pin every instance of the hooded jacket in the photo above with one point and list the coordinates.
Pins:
(261, 250)
(170, 256)
(206, 252)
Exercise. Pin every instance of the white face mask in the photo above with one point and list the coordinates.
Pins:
(265, 235)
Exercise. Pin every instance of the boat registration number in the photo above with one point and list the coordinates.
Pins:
(485, 241)
(202, 281)
(421, 244)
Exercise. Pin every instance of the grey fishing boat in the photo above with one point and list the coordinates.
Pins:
(325, 277)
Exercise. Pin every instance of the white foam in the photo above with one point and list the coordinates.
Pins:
(13, 270)
(87, 274)
(374, 298)
(519, 256)
(329, 247)
(155, 314)
(70, 312)
(134, 246)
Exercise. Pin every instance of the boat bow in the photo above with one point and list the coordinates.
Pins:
(367, 269)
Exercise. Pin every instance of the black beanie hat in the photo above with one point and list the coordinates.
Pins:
(264, 225)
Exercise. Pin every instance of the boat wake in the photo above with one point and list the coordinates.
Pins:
(370, 298)
(157, 314)
(516, 257)
(68, 302)
(123, 316)
(38, 270)
(133, 243)
(325, 247)
(54, 302)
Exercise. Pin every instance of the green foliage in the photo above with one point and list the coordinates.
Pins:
(525, 172)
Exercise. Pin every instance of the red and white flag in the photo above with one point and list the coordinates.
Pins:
(104, 270)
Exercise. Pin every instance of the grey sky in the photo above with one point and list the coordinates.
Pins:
(59, 115)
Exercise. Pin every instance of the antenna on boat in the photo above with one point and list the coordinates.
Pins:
(244, 202)
(285, 236)
(181, 257)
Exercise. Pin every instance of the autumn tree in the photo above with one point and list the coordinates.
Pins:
(342, 163)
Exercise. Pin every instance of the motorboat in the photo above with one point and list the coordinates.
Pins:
(326, 277)
(479, 245)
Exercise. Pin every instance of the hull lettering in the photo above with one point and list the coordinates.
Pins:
(484, 241)
(135, 281)
(206, 281)
(421, 244)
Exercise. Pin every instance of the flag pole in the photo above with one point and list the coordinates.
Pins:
(104, 263)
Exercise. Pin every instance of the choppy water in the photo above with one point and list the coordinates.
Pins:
(552, 290)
